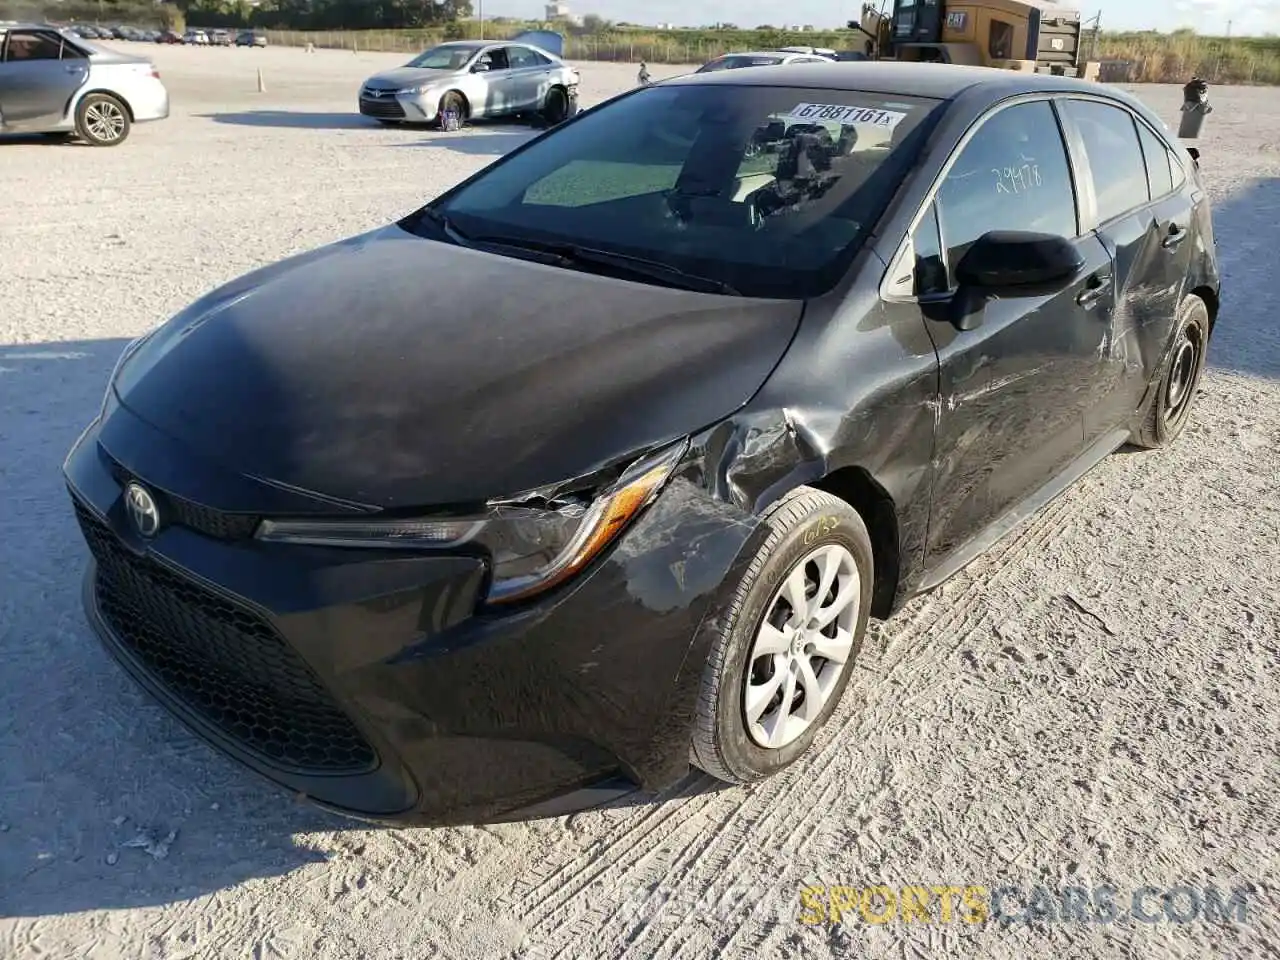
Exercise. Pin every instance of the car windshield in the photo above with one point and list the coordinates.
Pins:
(443, 58)
(734, 62)
(770, 191)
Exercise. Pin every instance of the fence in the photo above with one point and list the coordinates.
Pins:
(607, 48)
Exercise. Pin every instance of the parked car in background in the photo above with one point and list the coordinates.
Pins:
(764, 58)
(220, 38)
(636, 432)
(169, 36)
(196, 38)
(476, 79)
(251, 38)
(54, 82)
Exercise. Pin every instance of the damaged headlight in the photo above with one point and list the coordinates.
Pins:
(533, 542)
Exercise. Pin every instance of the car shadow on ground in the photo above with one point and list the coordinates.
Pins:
(106, 800)
(486, 141)
(295, 119)
(1246, 338)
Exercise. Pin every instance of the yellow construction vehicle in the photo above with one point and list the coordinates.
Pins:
(1036, 36)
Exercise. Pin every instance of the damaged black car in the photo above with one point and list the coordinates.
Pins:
(599, 464)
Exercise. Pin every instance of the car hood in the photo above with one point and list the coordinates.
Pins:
(390, 370)
(409, 76)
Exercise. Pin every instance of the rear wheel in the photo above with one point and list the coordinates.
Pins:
(555, 108)
(784, 650)
(102, 120)
(1170, 408)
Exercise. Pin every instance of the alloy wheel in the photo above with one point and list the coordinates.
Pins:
(802, 646)
(105, 120)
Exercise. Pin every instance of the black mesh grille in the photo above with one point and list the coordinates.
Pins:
(186, 513)
(387, 107)
(222, 660)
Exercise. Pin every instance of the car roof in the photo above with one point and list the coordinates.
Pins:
(939, 81)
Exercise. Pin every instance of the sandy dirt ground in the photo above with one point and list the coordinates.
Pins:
(1095, 702)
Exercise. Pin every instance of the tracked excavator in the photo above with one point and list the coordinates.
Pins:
(1035, 36)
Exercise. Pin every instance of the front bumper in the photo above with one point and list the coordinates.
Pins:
(370, 683)
(408, 107)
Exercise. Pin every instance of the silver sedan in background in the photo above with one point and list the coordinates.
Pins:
(476, 79)
(54, 82)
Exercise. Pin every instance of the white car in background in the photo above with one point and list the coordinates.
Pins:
(767, 58)
(476, 79)
(52, 81)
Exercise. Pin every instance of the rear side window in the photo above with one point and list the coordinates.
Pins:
(1159, 163)
(1115, 156)
(1013, 175)
(520, 57)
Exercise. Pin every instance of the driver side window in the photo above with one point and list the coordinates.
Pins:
(494, 59)
(1013, 175)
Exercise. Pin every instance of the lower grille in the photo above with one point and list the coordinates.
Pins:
(383, 107)
(222, 660)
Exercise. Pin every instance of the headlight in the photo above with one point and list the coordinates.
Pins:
(533, 542)
(416, 91)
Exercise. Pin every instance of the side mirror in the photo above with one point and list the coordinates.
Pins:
(1008, 261)
(1011, 263)
(480, 68)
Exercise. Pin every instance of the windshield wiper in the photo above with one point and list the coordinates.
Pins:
(571, 254)
(442, 221)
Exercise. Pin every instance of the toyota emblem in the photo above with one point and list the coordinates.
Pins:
(142, 509)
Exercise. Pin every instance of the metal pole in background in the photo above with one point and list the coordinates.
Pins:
(480, 8)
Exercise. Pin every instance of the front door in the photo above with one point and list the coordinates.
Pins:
(36, 83)
(498, 80)
(1145, 214)
(1014, 391)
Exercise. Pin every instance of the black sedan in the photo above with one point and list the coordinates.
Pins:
(600, 462)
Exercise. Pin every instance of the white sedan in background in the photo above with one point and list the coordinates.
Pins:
(476, 79)
(54, 82)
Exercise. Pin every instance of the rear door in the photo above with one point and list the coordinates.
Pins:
(1143, 211)
(530, 76)
(36, 82)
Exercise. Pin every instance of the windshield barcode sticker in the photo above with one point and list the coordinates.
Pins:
(834, 113)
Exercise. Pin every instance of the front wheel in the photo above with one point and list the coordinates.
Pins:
(452, 102)
(1170, 408)
(783, 652)
(102, 120)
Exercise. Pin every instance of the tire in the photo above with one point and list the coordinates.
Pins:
(1169, 410)
(555, 108)
(806, 531)
(453, 101)
(102, 120)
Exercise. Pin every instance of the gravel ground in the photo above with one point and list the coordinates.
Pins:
(1095, 702)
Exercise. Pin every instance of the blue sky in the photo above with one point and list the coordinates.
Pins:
(1208, 16)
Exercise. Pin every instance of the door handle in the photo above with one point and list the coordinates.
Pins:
(1175, 237)
(1099, 285)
